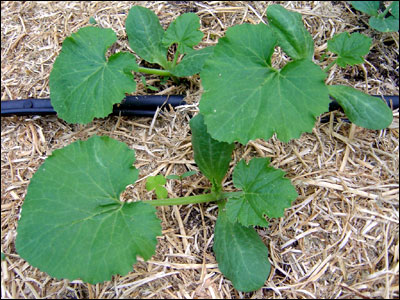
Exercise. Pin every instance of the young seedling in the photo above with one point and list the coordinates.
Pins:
(181, 177)
(380, 21)
(157, 183)
(84, 84)
(73, 223)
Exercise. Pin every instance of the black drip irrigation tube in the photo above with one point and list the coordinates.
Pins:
(145, 106)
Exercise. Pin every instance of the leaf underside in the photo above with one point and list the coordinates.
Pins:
(72, 223)
(245, 98)
(350, 48)
(211, 156)
(83, 84)
(241, 255)
(362, 109)
(193, 62)
(265, 192)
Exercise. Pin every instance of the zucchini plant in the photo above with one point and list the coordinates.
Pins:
(73, 224)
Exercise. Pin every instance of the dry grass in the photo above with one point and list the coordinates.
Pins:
(340, 239)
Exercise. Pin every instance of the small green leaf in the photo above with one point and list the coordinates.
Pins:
(184, 31)
(145, 35)
(292, 36)
(362, 109)
(3, 256)
(188, 173)
(389, 24)
(368, 7)
(241, 255)
(83, 84)
(146, 86)
(92, 21)
(265, 192)
(350, 48)
(193, 62)
(211, 156)
(73, 224)
(157, 182)
(174, 177)
(245, 98)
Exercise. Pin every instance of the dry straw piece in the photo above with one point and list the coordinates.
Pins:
(340, 239)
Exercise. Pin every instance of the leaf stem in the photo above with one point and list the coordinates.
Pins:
(382, 15)
(154, 71)
(211, 197)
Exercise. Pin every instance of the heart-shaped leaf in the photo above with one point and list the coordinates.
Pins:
(211, 156)
(72, 223)
(241, 255)
(265, 192)
(292, 36)
(184, 31)
(245, 98)
(145, 35)
(362, 109)
(350, 48)
(83, 84)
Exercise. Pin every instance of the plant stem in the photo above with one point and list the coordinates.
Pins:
(211, 197)
(175, 59)
(154, 71)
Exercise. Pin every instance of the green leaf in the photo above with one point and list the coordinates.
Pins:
(362, 109)
(211, 156)
(265, 192)
(92, 21)
(292, 36)
(157, 182)
(188, 173)
(389, 24)
(241, 255)
(72, 223)
(350, 48)
(395, 9)
(83, 84)
(174, 177)
(145, 35)
(368, 7)
(245, 98)
(3, 256)
(193, 62)
(184, 31)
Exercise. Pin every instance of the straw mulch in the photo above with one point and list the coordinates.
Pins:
(340, 239)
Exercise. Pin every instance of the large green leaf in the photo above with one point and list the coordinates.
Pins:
(350, 48)
(362, 109)
(145, 35)
(83, 84)
(241, 255)
(245, 98)
(211, 156)
(265, 192)
(184, 31)
(72, 223)
(292, 36)
(368, 7)
(193, 62)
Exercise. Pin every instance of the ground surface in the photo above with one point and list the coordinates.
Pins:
(340, 239)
